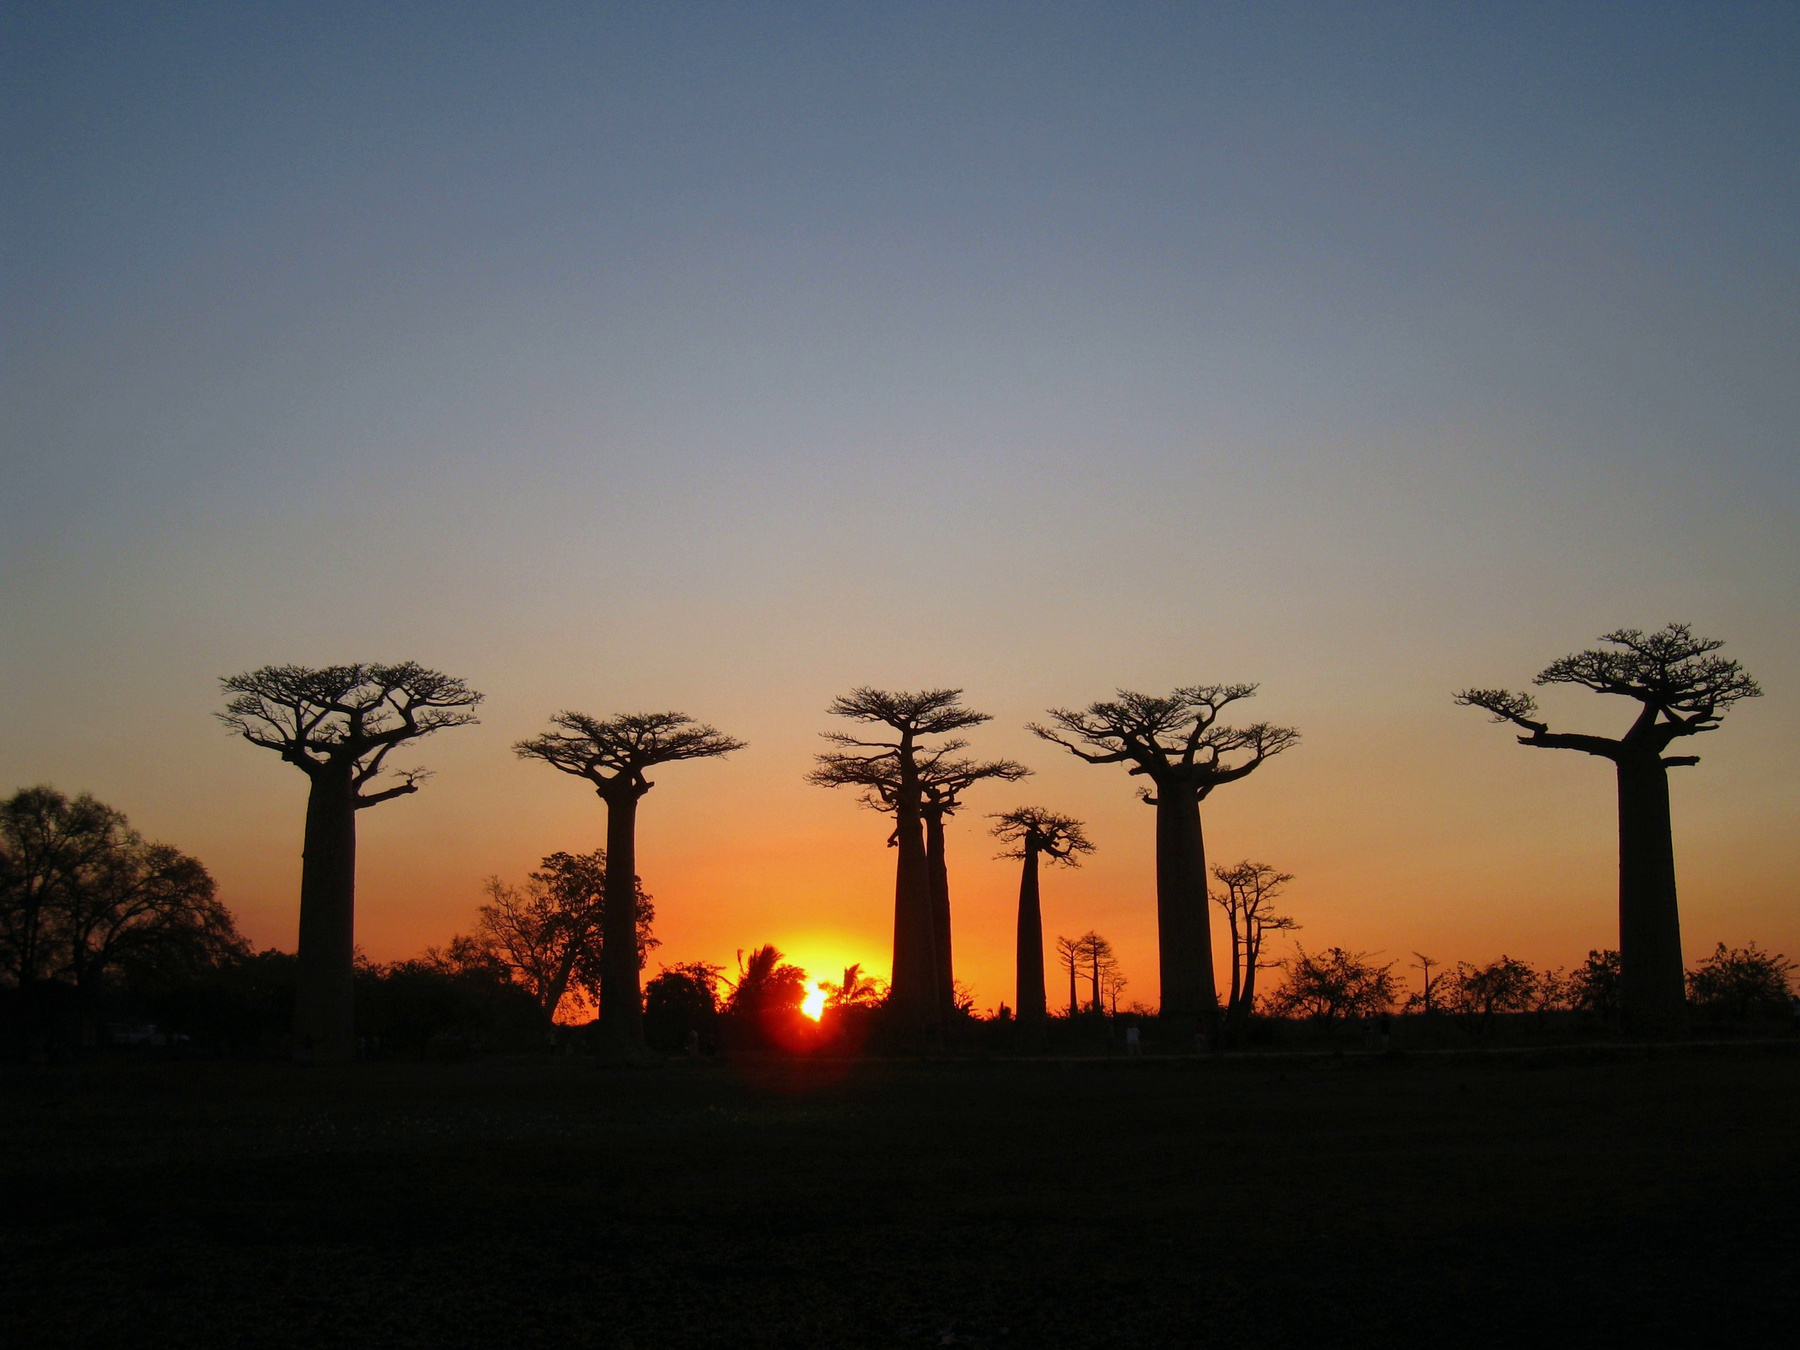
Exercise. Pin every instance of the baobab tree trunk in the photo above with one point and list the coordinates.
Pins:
(914, 988)
(938, 872)
(1030, 991)
(324, 996)
(1652, 980)
(1183, 936)
(621, 1000)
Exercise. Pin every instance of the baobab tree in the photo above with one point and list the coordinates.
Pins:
(892, 776)
(1248, 901)
(1681, 689)
(614, 754)
(338, 725)
(1035, 833)
(943, 782)
(1178, 744)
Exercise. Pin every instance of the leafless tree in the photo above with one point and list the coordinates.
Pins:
(1035, 833)
(1426, 1002)
(1112, 985)
(1098, 961)
(615, 754)
(1249, 904)
(338, 725)
(1682, 689)
(1068, 952)
(892, 774)
(1177, 743)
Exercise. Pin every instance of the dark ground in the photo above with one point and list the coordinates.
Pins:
(1424, 1200)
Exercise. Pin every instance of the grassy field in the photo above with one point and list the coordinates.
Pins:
(1337, 1200)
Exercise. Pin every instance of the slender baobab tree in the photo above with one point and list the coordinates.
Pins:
(338, 724)
(1035, 833)
(614, 754)
(1249, 904)
(1177, 743)
(1682, 689)
(891, 774)
(943, 783)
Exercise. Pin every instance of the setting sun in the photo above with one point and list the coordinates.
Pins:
(814, 1003)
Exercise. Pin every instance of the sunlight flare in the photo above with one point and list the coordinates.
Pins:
(814, 1004)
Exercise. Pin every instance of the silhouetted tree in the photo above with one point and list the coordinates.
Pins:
(1426, 1003)
(680, 1000)
(1034, 834)
(1682, 689)
(1476, 995)
(943, 783)
(614, 754)
(1332, 985)
(1594, 987)
(1068, 952)
(891, 775)
(1112, 985)
(1742, 982)
(338, 724)
(83, 896)
(855, 990)
(766, 996)
(1097, 959)
(1177, 743)
(1249, 904)
(549, 934)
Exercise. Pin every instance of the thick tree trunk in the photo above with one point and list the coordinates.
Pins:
(1072, 1008)
(914, 989)
(938, 870)
(1652, 982)
(324, 997)
(621, 999)
(1030, 989)
(1190, 999)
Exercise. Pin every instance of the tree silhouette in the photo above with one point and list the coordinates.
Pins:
(1178, 744)
(1068, 952)
(943, 782)
(1682, 689)
(1096, 955)
(1034, 834)
(892, 776)
(338, 725)
(614, 754)
(1248, 901)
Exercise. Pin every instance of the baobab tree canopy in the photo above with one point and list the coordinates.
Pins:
(1682, 688)
(339, 724)
(1031, 829)
(1169, 739)
(613, 753)
(346, 717)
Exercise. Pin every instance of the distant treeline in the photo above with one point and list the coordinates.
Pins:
(109, 940)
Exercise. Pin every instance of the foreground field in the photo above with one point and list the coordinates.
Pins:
(1357, 1200)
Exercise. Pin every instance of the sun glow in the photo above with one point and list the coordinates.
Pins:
(814, 1003)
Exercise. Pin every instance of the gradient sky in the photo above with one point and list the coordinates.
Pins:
(722, 357)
